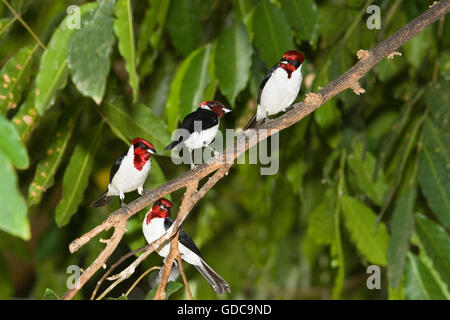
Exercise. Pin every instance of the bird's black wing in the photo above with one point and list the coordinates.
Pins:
(183, 238)
(207, 119)
(116, 166)
(264, 81)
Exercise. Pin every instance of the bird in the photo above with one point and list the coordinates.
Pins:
(157, 221)
(200, 127)
(279, 88)
(128, 173)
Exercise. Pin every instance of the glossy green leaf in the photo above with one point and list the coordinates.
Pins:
(123, 27)
(436, 242)
(53, 70)
(11, 146)
(272, 32)
(184, 25)
(436, 139)
(76, 176)
(233, 60)
(89, 51)
(13, 216)
(138, 120)
(402, 226)
(187, 89)
(14, 78)
(49, 163)
(362, 164)
(171, 288)
(6, 287)
(434, 180)
(419, 282)
(49, 294)
(360, 222)
(304, 18)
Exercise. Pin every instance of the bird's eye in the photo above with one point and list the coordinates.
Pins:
(163, 207)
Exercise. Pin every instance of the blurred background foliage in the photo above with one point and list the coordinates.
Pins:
(363, 180)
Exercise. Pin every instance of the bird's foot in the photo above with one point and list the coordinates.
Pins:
(125, 208)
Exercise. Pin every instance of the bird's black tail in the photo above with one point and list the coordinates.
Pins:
(173, 144)
(102, 201)
(252, 123)
(216, 282)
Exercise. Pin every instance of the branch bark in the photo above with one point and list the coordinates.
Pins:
(350, 79)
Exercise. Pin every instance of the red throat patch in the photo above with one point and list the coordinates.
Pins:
(156, 212)
(289, 69)
(140, 158)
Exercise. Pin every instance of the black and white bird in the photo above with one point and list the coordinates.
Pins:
(279, 88)
(157, 222)
(200, 127)
(129, 172)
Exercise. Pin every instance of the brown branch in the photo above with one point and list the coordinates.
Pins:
(118, 219)
(183, 275)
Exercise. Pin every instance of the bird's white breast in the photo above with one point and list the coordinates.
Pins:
(279, 92)
(199, 139)
(128, 178)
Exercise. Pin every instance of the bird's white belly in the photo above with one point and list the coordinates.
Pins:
(199, 139)
(128, 178)
(279, 92)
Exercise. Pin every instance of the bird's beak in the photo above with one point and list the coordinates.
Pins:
(152, 151)
(226, 110)
(283, 61)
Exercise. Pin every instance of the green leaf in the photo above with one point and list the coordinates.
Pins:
(233, 59)
(321, 224)
(171, 288)
(13, 216)
(417, 48)
(436, 242)
(53, 70)
(184, 24)
(387, 69)
(304, 17)
(11, 146)
(123, 27)
(360, 222)
(76, 176)
(402, 226)
(26, 119)
(14, 78)
(272, 32)
(5, 26)
(89, 50)
(434, 181)
(444, 64)
(188, 86)
(362, 164)
(436, 138)
(50, 295)
(437, 98)
(49, 164)
(419, 282)
(133, 121)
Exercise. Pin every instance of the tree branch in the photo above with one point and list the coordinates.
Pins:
(350, 79)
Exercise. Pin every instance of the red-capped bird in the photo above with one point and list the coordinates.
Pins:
(279, 88)
(157, 222)
(201, 127)
(129, 172)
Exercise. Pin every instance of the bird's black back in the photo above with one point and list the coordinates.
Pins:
(116, 166)
(207, 118)
(184, 239)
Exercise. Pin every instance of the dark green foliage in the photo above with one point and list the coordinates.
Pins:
(136, 68)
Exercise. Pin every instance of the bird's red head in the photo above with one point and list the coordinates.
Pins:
(142, 152)
(161, 209)
(291, 61)
(216, 107)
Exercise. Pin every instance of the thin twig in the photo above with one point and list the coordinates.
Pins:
(140, 278)
(183, 275)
